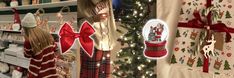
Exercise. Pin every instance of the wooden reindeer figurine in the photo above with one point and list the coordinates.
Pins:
(209, 48)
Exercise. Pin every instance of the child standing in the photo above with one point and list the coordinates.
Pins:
(99, 13)
(40, 48)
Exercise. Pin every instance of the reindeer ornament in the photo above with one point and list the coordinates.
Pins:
(209, 48)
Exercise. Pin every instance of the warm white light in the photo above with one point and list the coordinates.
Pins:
(135, 12)
(98, 64)
(119, 73)
(108, 55)
(141, 14)
(151, 74)
(125, 39)
(141, 8)
(121, 37)
(148, 60)
(147, 72)
(138, 58)
(120, 19)
(127, 16)
(103, 58)
(139, 68)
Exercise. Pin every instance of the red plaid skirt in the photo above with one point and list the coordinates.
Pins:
(96, 67)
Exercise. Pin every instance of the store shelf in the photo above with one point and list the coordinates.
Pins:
(10, 31)
(44, 5)
(48, 7)
(4, 76)
(17, 61)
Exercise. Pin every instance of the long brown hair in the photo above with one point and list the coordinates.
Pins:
(38, 39)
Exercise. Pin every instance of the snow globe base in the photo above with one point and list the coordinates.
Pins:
(154, 51)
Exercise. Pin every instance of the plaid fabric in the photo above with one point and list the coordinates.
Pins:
(96, 67)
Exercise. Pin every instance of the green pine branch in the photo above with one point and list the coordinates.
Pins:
(131, 62)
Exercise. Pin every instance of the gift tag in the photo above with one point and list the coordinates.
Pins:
(155, 33)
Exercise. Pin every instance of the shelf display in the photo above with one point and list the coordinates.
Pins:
(64, 64)
(25, 2)
(14, 3)
(4, 67)
(12, 38)
(2, 4)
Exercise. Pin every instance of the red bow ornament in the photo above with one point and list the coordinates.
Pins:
(68, 36)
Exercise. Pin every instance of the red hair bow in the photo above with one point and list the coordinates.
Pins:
(68, 36)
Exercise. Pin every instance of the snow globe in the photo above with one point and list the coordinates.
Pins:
(155, 34)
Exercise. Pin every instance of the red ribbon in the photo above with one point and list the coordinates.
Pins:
(218, 27)
(198, 23)
(68, 36)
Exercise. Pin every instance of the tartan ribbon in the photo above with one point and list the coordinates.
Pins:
(197, 22)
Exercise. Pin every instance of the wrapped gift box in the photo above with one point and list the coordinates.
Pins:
(186, 48)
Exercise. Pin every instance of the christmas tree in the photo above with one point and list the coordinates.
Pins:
(131, 62)
(199, 62)
(192, 43)
(181, 11)
(226, 65)
(173, 59)
(178, 33)
(228, 15)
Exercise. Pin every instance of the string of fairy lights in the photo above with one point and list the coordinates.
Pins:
(131, 62)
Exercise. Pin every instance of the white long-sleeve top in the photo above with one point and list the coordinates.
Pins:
(105, 36)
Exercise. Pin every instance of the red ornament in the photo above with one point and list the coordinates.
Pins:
(177, 48)
(20, 69)
(222, 53)
(229, 6)
(229, 54)
(183, 3)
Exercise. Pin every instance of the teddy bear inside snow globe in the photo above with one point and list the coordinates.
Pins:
(155, 34)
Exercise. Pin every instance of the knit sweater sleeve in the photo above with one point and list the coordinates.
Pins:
(27, 49)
